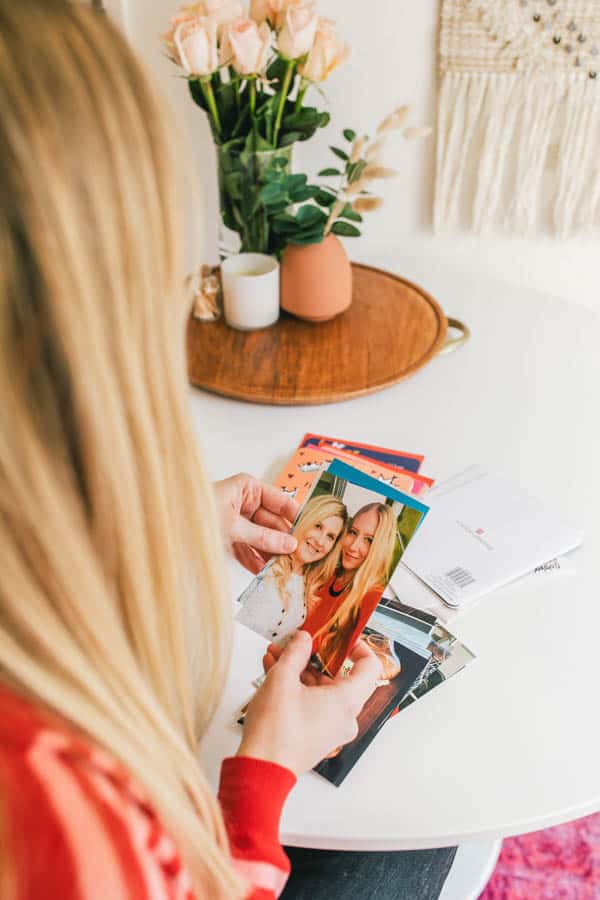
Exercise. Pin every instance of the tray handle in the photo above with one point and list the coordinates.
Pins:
(453, 344)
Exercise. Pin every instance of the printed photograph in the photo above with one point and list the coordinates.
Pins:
(402, 667)
(300, 473)
(447, 657)
(410, 461)
(352, 532)
(417, 653)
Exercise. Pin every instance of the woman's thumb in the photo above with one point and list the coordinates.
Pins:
(296, 655)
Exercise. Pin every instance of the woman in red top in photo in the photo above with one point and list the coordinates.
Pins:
(342, 605)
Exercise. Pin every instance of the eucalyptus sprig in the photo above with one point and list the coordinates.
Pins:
(292, 207)
(303, 213)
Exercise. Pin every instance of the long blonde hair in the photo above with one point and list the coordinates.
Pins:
(372, 574)
(317, 509)
(109, 546)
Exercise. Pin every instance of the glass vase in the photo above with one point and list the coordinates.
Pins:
(244, 223)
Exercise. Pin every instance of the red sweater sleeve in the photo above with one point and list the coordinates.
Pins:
(252, 793)
(78, 827)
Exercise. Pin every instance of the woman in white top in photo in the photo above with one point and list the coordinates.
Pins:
(274, 604)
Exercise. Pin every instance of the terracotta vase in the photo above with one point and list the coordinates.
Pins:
(316, 280)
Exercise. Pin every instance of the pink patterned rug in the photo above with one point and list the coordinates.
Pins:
(560, 863)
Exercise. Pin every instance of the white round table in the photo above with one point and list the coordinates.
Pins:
(512, 743)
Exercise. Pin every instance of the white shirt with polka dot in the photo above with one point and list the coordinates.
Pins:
(265, 611)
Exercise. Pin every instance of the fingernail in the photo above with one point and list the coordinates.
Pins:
(289, 543)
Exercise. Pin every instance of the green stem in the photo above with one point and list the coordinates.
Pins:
(301, 94)
(252, 105)
(236, 89)
(240, 122)
(290, 65)
(209, 95)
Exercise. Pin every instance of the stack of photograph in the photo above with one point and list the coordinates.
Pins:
(352, 531)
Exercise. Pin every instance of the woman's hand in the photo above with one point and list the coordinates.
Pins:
(297, 725)
(310, 676)
(255, 519)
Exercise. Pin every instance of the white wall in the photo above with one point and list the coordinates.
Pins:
(393, 61)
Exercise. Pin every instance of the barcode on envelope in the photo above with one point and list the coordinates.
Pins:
(462, 578)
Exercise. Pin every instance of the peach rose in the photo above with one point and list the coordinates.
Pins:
(251, 46)
(297, 34)
(260, 11)
(190, 12)
(196, 43)
(326, 54)
(223, 12)
(277, 10)
(273, 11)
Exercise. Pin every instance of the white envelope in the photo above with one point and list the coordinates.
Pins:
(482, 532)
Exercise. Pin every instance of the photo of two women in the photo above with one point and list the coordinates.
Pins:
(350, 540)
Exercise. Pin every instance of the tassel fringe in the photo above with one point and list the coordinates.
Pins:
(518, 150)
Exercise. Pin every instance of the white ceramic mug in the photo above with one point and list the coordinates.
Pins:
(250, 290)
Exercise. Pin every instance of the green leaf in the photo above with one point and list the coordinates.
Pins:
(232, 183)
(341, 153)
(308, 192)
(303, 122)
(349, 134)
(294, 182)
(356, 169)
(272, 193)
(229, 221)
(277, 206)
(283, 227)
(351, 214)
(280, 162)
(326, 173)
(307, 117)
(277, 69)
(324, 119)
(345, 230)
(310, 215)
(285, 220)
(197, 93)
(325, 198)
(226, 104)
(308, 236)
(290, 137)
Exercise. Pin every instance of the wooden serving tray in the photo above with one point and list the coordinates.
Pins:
(392, 328)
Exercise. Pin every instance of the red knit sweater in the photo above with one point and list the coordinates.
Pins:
(79, 828)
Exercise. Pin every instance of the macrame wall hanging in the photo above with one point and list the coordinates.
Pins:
(519, 116)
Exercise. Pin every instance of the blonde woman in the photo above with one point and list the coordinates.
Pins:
(114, 619)
(275, 604)
(357, 577)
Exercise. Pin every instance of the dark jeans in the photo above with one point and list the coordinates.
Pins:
(342, 875)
